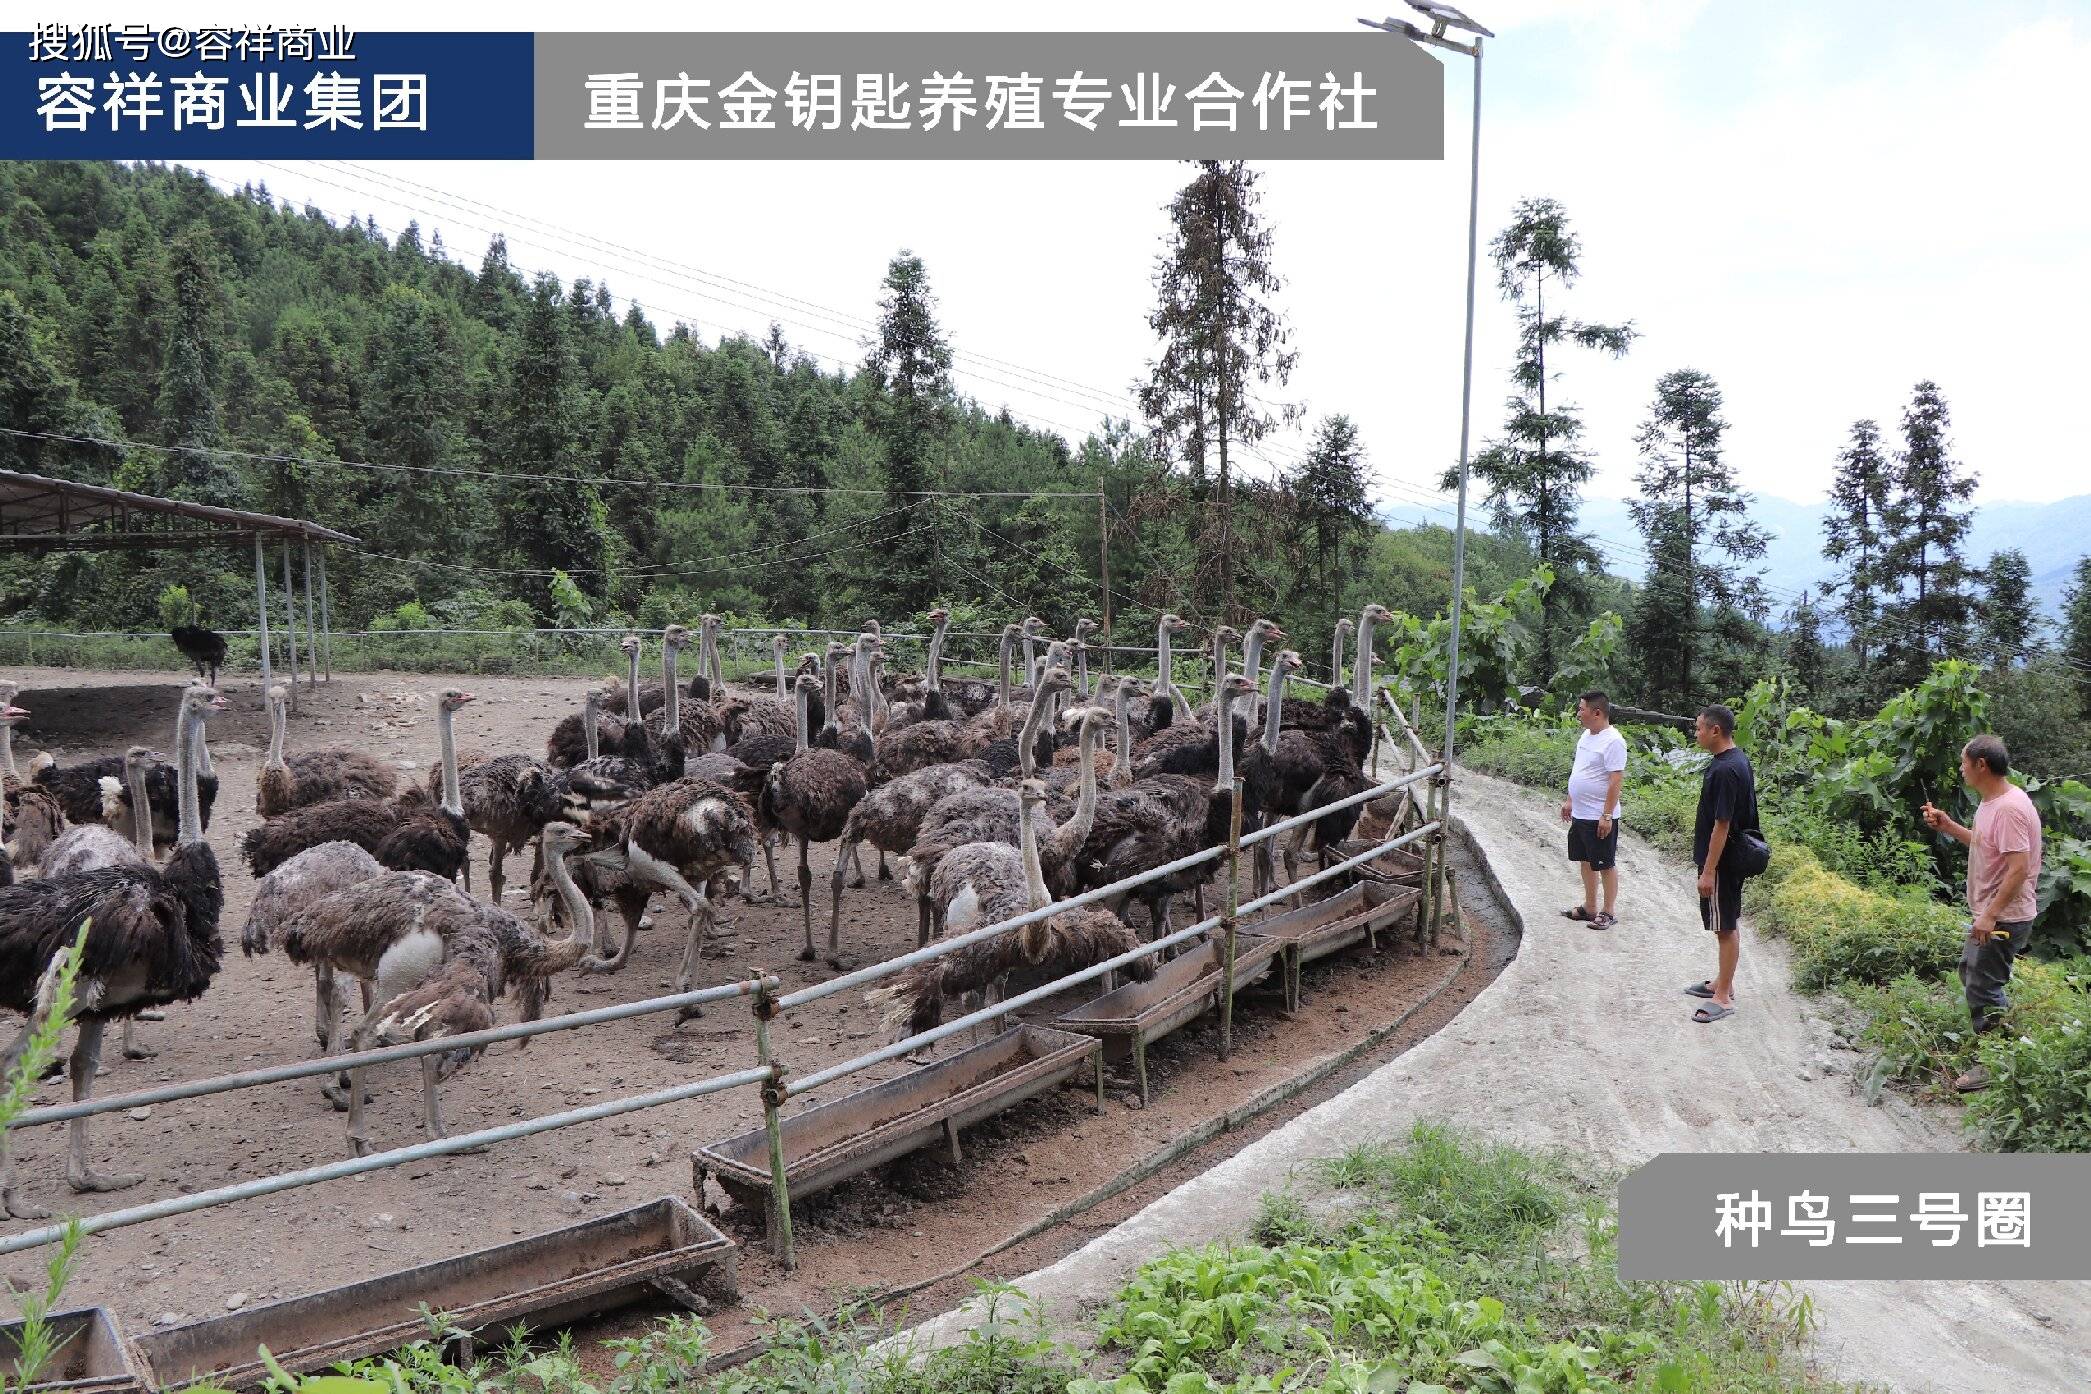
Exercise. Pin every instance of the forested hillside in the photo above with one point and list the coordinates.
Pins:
(503, 429)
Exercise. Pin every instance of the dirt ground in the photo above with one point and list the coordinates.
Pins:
(920, 1218)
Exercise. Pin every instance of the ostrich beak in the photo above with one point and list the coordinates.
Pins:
(13, 713)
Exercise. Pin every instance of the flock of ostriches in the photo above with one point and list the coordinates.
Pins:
(1001, 796)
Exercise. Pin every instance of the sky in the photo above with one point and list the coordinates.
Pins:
(1818, 204)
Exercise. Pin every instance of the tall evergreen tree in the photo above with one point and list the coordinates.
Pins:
(910, 364)
(1214, 313)
(1699, 598)
(546, 412)
(2011, 623)
(1329, 493)
(2076, 633)
(1854, 535)
(189, 363)
(1535, 472)
(33, 396)
(1926, 599)
(1804, 654)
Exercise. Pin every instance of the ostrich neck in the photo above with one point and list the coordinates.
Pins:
(7, 750)
(1336, 659)
(1271, 713)
(589, 742)
(1027, 738)
(1122, 767)
(798, 704)
(580, 915)
(783, 688)
(632, 710)
(935, 664)
(1225, 732)
(827, 681)
(1082, 670)
(189, 823)
(279, 732)
(672, 718)
(181, 754)
(1161, 661)
(1252, 655)
(1034, 868)
(453, 797)
(1361, 675)
(1219, 661)
(1069, 836)
(141, 808)
(1030, 660)
(1002, 682)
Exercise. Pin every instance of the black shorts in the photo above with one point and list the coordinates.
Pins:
(1727, 893)
(1584, 845)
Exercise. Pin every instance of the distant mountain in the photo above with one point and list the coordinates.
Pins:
(2052, 535)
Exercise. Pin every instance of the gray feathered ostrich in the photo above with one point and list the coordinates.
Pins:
(314, 776)
(509, 798)
(32, 816)
(1005, 882)
(152, 939)
(810, 797)
(203, 647)
(691, 728)
(313, 873)
(889, 817)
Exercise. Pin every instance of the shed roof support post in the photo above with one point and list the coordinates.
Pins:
(290, 624)
(311, 627)
(261, 610)
(326, 611)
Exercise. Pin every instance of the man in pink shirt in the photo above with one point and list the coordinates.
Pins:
(2003, 875)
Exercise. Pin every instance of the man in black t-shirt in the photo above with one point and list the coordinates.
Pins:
(1727, 808)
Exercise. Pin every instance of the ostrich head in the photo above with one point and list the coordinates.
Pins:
(1268, 629)
(1346, 626)
(1378, 613)
(779, 642)
(1012, 631)
(1033, 627)
(629, 644)
(9, 690)
(204, 699)
(1052, 680)
(140, 757)
(1032, 792)
(1226, 634)
(940, 615)
(1175, 624)
(676, 636)
(451, 699)
(10, 714)
(1290, 661)
(1084, 628)
(560, 838)
(1236, 686)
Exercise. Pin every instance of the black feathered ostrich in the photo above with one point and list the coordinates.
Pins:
(205, 648)
(152, 939)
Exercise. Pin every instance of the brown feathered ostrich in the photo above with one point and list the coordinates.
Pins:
(690, 727)
(1004, 882)
(847, 729)
(313, 873)
(509, 798)
(743, 718)
(408, 833)
(314, 776)
(931, 704)
(438, 960)
(680, 837)
(92, 845)
(809, 797)
(33, 817)
(152, 939)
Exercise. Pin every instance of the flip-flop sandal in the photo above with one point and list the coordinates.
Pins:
(1603, 920)
(1702, 988)
(1578, 913)
(1711, 1011)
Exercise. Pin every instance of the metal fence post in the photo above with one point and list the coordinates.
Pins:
(765, 1008)
(1227, 921)
(326, 611)
(290, 624)
(311, 626)
(261, 611)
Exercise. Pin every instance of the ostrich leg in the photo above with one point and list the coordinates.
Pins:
(856, 862)
(834, 903)
(806, 900)
(701, 916)
(431, 1096)
(921, 918)
(326, 1005)
(495, 874)
(885, 872)
(87, 1058)
(131, 1049)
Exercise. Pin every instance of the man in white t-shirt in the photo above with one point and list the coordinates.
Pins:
(1592, 808)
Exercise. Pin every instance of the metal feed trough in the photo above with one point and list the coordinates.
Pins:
(543, 1281)
(92, 1356)
(1322, 927)
(1128, 1019)
(831, 1142)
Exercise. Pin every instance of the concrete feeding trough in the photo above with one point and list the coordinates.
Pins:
(831, 1142)
(1357, 913)
(544, 1281)
(1128, 1019)
(92, 1356)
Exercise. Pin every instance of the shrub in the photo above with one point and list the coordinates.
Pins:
(1523, 750)
(2039, 1098)
(1844, 932)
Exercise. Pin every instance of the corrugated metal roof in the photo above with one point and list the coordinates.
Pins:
(43, 514)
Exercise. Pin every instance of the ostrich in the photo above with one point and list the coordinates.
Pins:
(691, 729)
(152, 939)
(889, 817)
(1001, 882)
(1168, 702)
(311, 874)
(583, 736)
(438, 960)
(932, 704)
(315, 776)
(32, 817)
(87, 846)
(845, 731)
(1083, 629)
(679, 837)
(409, 833)
(509, 798)
(203, 648)
(78, 789)
(810, 797)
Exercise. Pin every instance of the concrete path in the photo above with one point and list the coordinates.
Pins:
(1586, 1042)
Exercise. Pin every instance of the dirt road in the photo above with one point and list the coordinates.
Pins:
(1585, 1042)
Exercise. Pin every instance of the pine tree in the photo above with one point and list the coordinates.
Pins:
(2076, 633)
(1804, 654)
(1699, 599)
(1854, 535)
(1214, 288)
(2011, 624)
(33, 396)
(1535, 472)
(1329, 493)
(1926, 601)
(558, 521)
(910, 364)
(189, 364)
